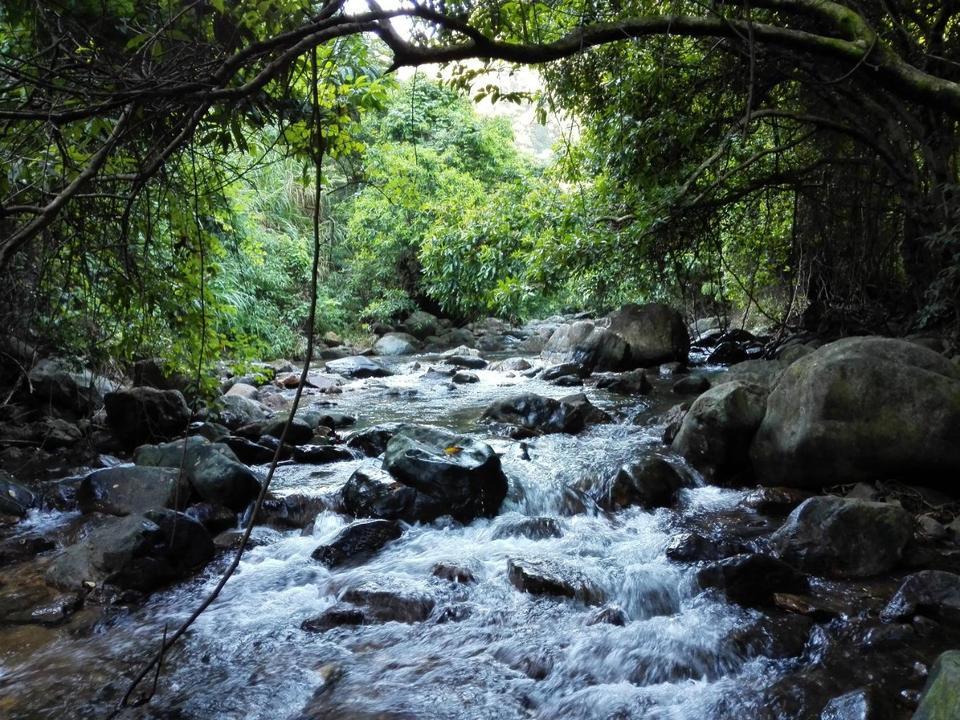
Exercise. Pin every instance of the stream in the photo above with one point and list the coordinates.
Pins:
(486, 650)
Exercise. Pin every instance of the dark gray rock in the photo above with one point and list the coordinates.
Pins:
(394, 344)
(838, 537)
(234, 411)
(532, 528)
(321, 454)
(130, 490)
(15, 499)
(654, 333)
(357, 542)
(143, 414)
(609, 615)
(339, 615)
(137, 552)
(453, 573)
(57, 382)
(933, 593)
(634, 382)
(23, 547)
(421, 324)
(386, 604)
(649, 483)
(727, 352)
(752, 580)
(458, 471)
(248, 451)
(691, 385)
(300, 432)
(213, 470)
(585, 344)
(372, 441)
(374, 493)
(464, 378)
(555, 372)
(538, 414)
(471, 362)
(548, 577)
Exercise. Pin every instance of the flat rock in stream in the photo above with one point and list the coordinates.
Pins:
(391, 604)
(322, 454)
(540, 414)
(339, 615)
(357, 542)
(357, 367)
(548, 577)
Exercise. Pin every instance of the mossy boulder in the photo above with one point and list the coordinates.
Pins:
(941, 696)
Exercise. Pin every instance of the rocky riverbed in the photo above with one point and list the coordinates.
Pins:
(587, 519)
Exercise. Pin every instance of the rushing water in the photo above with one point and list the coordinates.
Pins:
(486, 651)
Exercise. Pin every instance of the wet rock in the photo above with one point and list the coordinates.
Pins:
(727, 353)
(248, 451)
(396, 343)
(673, 420)
(654, 333)
(300, 432)
(517, 364)
(716, 432)
(357, 542)
(775, 500)
(933, 593)
(464, 378)
(23, 547)
(844, 538)
(403, 604)
(129, 490)
(691, 385)
(649, 483)
(137, 552)
(858, 409)
(372, 441)
(243, 390)
(273, 445)
(234, 411)
(458, 471)
(755, 372)
(548, 577)
(532, 528)
(357, 367)
(583, 343)
(143, 414)
(609, 615)
(774, 636)
(421, 324)
(334, 420)
(471, 362)
(339, 615)
(320, 454)
(941, 695)
(15, 499)
(537, 413)
(374, 493)
(453, 573)
(592, 415)
(555, 372)
(855, 705)
(691, 546)
(215, 518)
(634, 382)
(752, 580)
(292, 511)
(213, 470)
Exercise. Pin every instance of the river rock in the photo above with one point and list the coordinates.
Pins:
(515, 364)
(691, 385)
(595, 348)
(395, 343)
(357, 367)
(339, 615)
(471, 362)
(371, 492)
(321, 454)
(859, 409)
(234, 411)
(452, 572)
(243, 390)
(555, 372)
(775, 500)
(357, 542)
(464, 378)
(844, 538)
(372, 441)
(649, 483)
(548, 577)
(634, 382)
(56, 382)
(137, 552)
(933, 593)
(300, 432)
(421, 324)
(654, 333)
(460, 472)
(532, 528)
(941, 695)
(609, 615)
(132, 489)
(402, 603)
(727, 353)
(765, 373)
(538, 414)
(716, 432)
(752, 579)
(213, 470)
(248, 451)
(144, 414)
(15, 499)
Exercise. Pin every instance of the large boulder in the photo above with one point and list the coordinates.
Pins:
(421, 325)
(372, 492)
(861, 409)
(396, 343)
(57, 382)
(132, 489)
(15, 499)
(844, 538)
(716, 432)
(941, 696)
(138, 552)
(212, 468)
(234, 411)
(583, 342)
(541, 415)
(654, 333)
(357, 367)
(460, 472)
(144, 414)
